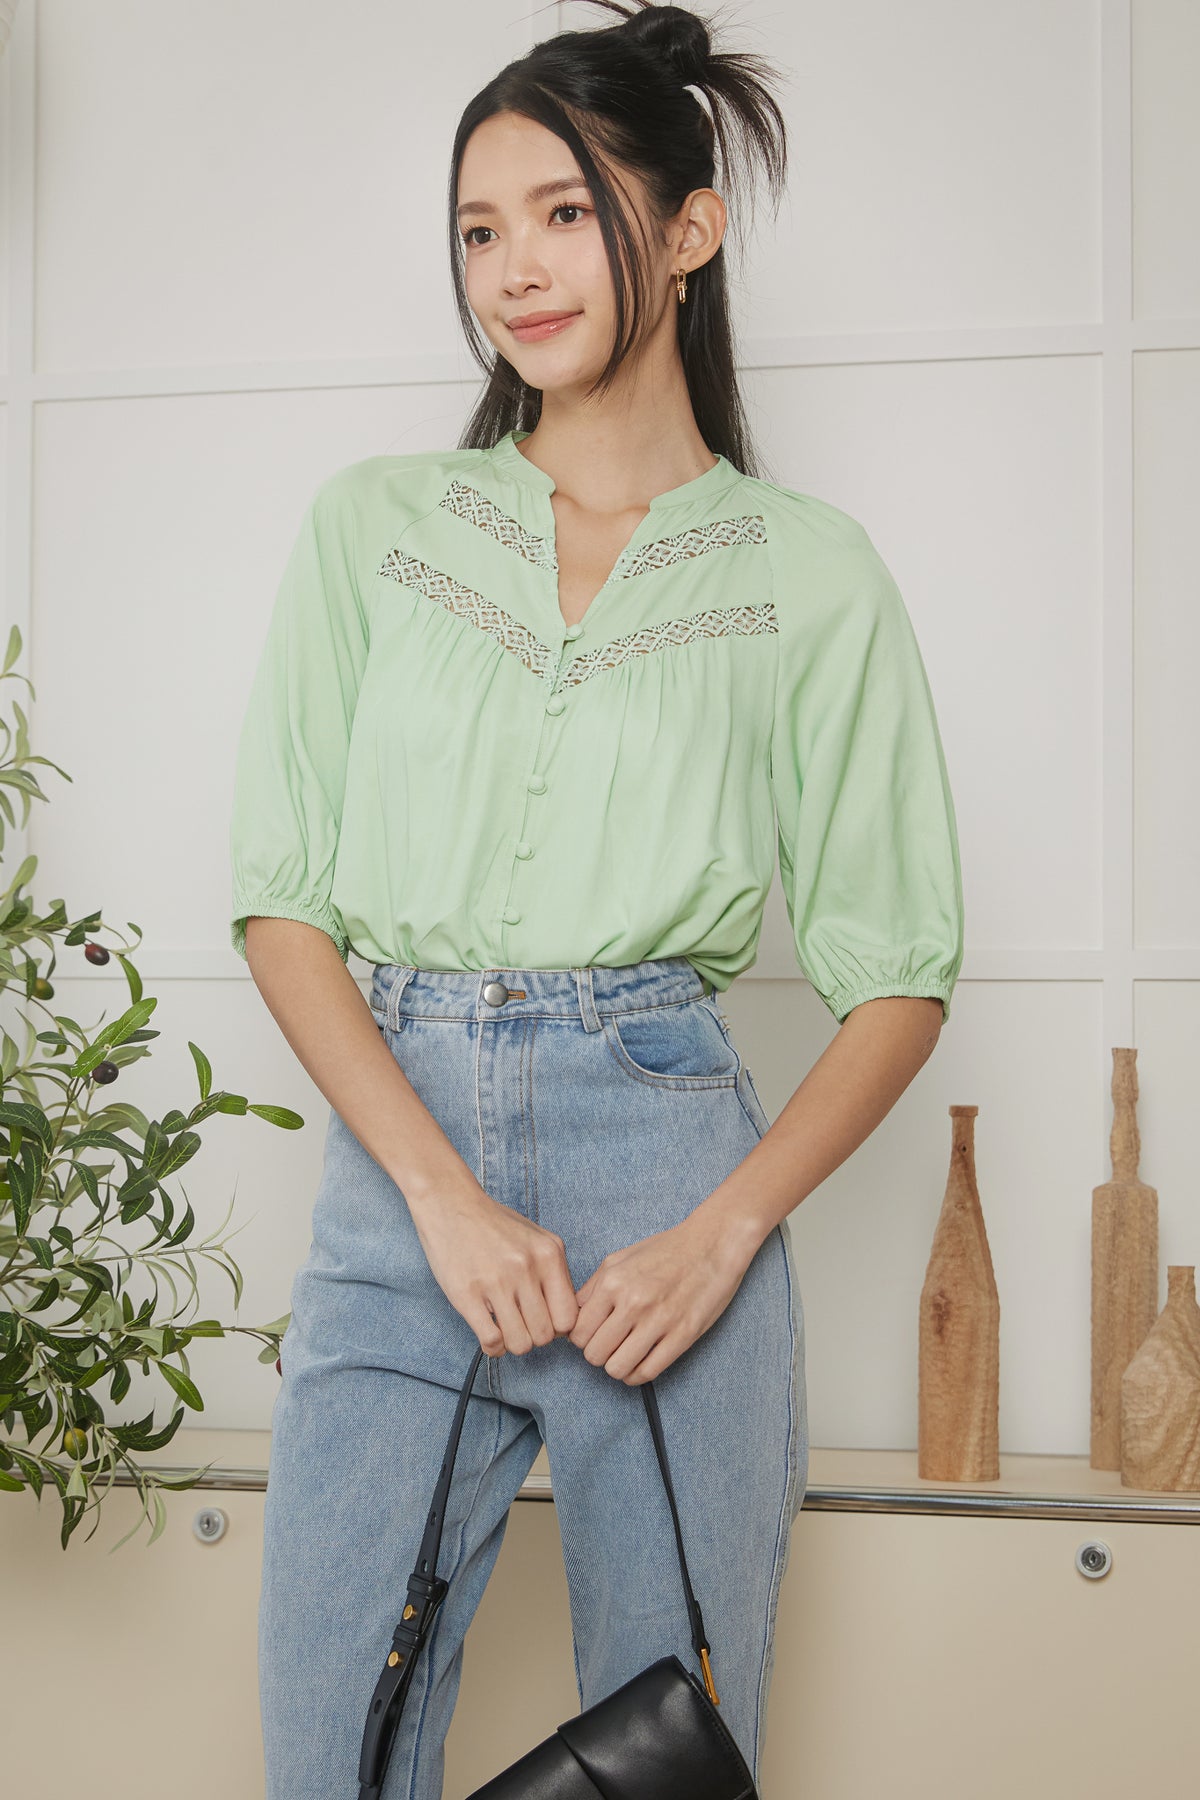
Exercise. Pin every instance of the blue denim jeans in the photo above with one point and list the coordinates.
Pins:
(604, 1103)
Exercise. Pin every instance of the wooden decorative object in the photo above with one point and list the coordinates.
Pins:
(958, 1430)
(1160, 1396)
(1124, 1265)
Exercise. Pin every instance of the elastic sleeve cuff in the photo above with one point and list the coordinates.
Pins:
(844, 1002)
(323, 917)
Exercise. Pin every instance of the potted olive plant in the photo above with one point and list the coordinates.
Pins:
(84, 1203)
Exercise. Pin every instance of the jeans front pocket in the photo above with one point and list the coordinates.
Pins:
(681, 1045)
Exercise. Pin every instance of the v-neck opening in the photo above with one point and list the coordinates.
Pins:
(700, 489)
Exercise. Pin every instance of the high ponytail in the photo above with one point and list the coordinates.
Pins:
(630, 93)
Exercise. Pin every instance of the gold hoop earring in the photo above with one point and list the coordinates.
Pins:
(681, 283)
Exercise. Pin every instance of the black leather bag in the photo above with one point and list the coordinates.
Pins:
(657, 1737)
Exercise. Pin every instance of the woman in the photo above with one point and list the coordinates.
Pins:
(531, 716)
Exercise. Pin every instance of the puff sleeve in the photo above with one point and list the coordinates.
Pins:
(290, 768)
(868, 845)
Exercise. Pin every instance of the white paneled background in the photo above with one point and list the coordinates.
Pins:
(974, 325)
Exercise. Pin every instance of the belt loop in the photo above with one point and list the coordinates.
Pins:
(587, 1000)
(407, 971)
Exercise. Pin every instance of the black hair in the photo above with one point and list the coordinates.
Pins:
(623, 90)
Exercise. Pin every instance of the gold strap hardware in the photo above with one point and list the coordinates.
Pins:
(708, 1680)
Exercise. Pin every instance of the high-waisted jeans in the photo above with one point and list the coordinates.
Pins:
(604, 1103)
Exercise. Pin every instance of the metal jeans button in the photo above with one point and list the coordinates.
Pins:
(495, 993)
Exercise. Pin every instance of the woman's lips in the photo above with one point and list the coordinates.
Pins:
(528, 334)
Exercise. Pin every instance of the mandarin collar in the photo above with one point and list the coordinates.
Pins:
(699, 490)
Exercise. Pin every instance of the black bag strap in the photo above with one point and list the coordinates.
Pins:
(427, 1590)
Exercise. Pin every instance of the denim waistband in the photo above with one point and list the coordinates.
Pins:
(400, 989)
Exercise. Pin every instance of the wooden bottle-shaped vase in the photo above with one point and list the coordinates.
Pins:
(958, 1426)
(1124, 1265)
(1160, 1396)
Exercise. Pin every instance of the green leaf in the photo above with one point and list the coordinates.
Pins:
(180, 1151)
(131, 1019)
(30, 1119)
(13, 651)
(136, 1208)
(50, 1292)
(139, 1437)
(87, 1180)
(89, 1376)
(58, 1476)
(156, 1144)
(278, 1115)
(154, 1440)
(30, 1470)
(184, 1227)
(160, 1516)
(23, 1188)
(24, 875)
(120, 1115)
(203, 1069)
(186, 1389)
(141, 1182)
(187, 1480)
(132, 976)
(101, 1140)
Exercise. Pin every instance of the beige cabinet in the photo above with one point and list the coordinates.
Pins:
(930, 1641)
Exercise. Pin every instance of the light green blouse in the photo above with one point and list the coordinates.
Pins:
(436, 770)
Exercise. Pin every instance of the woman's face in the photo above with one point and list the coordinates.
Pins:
(526, 253)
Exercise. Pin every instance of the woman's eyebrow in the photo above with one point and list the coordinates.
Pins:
(541, 191)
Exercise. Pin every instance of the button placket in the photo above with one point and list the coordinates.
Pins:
(570, 633)
(537, 784)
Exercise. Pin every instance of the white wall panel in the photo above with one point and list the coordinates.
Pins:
(1166, 650)
(239, 183)
(944, 163)
(1168, 1032)
(1165, 158)
(6, 249)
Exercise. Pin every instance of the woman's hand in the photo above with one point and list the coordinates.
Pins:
(507, 1276)
(645, 1305)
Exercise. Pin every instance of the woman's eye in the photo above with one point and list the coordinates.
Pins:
(567, 206)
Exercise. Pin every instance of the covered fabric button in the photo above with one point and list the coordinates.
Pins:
(524, 848)
(537, 784)
(511, 916)
(556, 705)
(573, 631)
